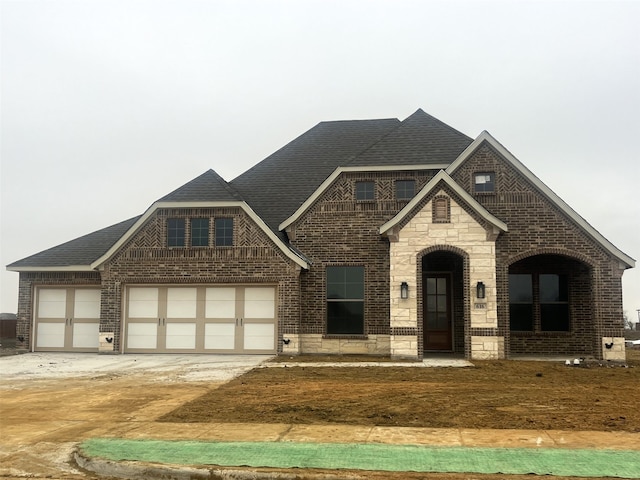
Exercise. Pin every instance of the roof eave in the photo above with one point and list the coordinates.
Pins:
(485, 136)
(61, 268)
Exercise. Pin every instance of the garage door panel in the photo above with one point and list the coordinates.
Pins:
(87, 304)
(220, 302)
(143, 302)
(52, 303)
(220, 336)
(142, 335)
(259, 336)
(86, 335)
(182, 302)
(259, 302)
(181, 336)
(50, 335)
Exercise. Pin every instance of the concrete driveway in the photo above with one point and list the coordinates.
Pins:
(49, 402)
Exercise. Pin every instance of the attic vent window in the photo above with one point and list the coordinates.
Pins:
(365, 191)
(405, 189)
(485, 182)
(441, 210)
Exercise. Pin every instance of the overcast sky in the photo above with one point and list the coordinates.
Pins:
(109, 105)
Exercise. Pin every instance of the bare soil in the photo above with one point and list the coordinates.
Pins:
(498, 394)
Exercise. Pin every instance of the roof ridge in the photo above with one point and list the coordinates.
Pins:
(369, 147)
(446, 125)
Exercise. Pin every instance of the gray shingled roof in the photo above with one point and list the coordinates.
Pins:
(420, 140)
(81, 251)
(278, 185)
(208, 187)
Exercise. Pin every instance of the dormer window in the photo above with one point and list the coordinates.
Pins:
(365, 191)
(484, 182)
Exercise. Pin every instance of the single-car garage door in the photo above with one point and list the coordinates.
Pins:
(67, 319)
(201, 319)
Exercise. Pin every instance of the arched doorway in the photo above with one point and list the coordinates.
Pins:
(442, 310)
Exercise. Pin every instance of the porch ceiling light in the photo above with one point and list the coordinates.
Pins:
(480, 290)
(404, 290)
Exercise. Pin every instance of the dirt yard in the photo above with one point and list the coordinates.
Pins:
(51, 402)
(504, 394)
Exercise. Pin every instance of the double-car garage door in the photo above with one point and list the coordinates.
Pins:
(203, 319)
(163, 319)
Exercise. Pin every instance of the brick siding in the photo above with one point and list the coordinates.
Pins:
(538, 227)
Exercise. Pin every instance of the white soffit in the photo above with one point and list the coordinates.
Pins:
(550, 194)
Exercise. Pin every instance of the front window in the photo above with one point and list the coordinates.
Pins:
(485, 182)
(175, 232)
(554, 303)
(224, 232)
(539, 302)
(405, 189)
(521, 302)
(365, 191)
(199, 232)
(345, 300)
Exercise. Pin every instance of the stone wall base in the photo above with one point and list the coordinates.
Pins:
(321, 345)
(487, 348)
(106, 346)
(613, 349)
(404, 346)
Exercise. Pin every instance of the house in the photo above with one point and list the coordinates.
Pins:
(384, 237)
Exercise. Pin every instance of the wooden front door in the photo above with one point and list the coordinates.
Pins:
(437, 312)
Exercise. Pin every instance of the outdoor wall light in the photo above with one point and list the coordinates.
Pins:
(404, 290)
(480, 290)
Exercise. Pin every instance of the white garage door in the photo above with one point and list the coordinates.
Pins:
(67, 319)
(201, 319)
